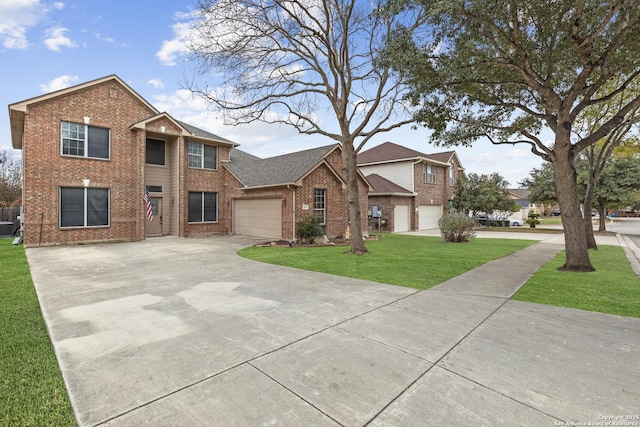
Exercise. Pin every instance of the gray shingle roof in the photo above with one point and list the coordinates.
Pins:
(389, 151)
(382, 185)
(200, 133)
(253, 171)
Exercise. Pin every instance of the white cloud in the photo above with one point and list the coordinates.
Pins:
(177, 46)
(58, 5)
(157, 83)
(16, 17)
(58, 83)
(56, 39)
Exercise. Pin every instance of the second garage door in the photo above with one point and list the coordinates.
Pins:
(258, 217)
(428, 216)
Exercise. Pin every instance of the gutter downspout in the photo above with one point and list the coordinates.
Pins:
(293, 225)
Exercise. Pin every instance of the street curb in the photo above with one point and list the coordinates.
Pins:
(632, 251)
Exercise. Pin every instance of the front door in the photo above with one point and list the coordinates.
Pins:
(154, 227)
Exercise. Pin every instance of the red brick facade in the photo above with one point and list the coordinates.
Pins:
(109, 103)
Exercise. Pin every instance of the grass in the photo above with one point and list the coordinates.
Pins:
(412, 261)
(613, 288)
(31, 388)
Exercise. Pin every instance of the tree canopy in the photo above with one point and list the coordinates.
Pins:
(509, 70)
(316, 65)
(484, 193)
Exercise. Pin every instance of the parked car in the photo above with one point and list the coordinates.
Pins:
(555, 212)
(515, 222)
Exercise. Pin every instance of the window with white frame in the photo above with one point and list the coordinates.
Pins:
(203, 207)
(203, 156)
(429, 173)
(320, 205)
(84, 141)
(451, 176)
(84, 207)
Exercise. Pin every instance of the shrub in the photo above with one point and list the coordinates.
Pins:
(308, 229)
(456, 227)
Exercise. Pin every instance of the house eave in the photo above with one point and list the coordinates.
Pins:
(393, 194)
(261, 187)
(406, 159)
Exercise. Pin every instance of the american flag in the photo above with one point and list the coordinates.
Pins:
(147, 204)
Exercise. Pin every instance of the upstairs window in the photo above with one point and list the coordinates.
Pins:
(451, 177)
(429, 174)
(84, 141)
(203, 156)
(155, 152)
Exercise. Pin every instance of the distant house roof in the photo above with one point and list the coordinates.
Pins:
(253, 171)
(384, 187)
(520, 193)
(390, 152)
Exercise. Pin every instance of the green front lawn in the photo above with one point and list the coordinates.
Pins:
(422, 262)
(613, 288)
(412, 261)
(32, 392)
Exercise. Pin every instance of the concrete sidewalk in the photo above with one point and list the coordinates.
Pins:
(182, 332)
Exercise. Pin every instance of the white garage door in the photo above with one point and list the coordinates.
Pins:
(428, 216)
(258, 217)
(401, 218)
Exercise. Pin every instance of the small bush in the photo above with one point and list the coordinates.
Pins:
(308, 229)
(456, 227)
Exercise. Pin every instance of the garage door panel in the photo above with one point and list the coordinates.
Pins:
(428, 216)
(258, 217)
(401, 218)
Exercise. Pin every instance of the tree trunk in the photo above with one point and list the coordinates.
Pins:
(577, 254)
(353, 198)
(602, 209)
(587, 207)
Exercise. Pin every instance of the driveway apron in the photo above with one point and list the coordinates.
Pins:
(184, 332)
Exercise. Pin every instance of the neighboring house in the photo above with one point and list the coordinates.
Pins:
(275, 193)
(521, 197)
(411, 190)
(90, 152)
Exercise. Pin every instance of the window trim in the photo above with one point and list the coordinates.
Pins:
(85, 141)
(452, 180)
(429, 178)
(85, 211)
(324, 204)
(202, 207)
(201, 156)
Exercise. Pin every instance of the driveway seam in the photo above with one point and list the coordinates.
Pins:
(248, 361)
(295, 394)
(436, 363)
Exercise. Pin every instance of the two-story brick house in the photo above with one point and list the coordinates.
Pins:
(91, 152)
(411, 190)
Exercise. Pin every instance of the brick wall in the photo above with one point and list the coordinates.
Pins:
(45, 170)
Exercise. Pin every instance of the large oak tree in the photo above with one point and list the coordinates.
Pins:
(315, 65)
(507, 70)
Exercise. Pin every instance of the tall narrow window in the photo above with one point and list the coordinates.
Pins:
(451, 176)
(203, 207)
(84, 207)
(84, 141)
(202, 156)
(429, 173)
(319, 205)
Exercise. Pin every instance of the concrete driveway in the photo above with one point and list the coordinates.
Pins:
(182, 332)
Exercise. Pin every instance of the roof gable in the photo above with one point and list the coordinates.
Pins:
(18, 110)
(289, 168)
(389, 152)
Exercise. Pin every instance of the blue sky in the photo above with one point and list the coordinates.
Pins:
(50, 45)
